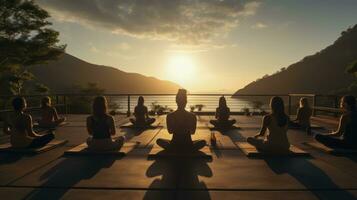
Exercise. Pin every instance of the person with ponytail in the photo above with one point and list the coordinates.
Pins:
(142, 118)
(277, 124)
(49, 115)
(346, 135)
(101, 128)
(222, 115)
(181, 124)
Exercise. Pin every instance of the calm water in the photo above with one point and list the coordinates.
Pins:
(210, 102)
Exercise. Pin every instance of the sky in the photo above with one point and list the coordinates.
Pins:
(203, 45)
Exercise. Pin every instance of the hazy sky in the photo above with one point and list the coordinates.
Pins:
(203, 45)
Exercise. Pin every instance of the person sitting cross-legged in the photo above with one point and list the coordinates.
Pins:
(101, 128)
(303, 116)
(142, 118)
(222, 115)
(50, 118)
(20, 128)
(346, 135)
(181, 124)
(277, 124)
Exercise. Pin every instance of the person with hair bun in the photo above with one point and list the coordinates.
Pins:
(101, 128)
(346, 135)
(277, 124)
(222, 115)
(181, 124)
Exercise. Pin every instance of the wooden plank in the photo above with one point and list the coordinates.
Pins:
(82, 150)
(250, 151)
(158, 152)
(321, 147)
(7, 148)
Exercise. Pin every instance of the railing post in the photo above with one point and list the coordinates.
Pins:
(56, 99)
(128, 113)
(289, 108)
(336, 105)
(65, 104)
(314, 105)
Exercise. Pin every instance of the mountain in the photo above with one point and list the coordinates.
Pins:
(63, 74)
(321, 73)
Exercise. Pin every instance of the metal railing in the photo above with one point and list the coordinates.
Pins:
(203, 104)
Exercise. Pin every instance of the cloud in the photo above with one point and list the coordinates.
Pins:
(259, 25)
(181, 21)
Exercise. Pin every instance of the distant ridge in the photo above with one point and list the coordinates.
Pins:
(322, 73)
(61, 75)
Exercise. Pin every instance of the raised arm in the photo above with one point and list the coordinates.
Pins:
(341, 126)
(265, 124)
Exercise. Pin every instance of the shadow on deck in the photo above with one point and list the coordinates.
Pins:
(230, 175)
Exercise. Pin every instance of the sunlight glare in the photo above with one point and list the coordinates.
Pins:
(181, 69)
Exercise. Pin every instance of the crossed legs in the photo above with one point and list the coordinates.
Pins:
(168, 145)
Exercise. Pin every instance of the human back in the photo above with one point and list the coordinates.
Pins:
(277, 136)
(181, 124)
(101, 128)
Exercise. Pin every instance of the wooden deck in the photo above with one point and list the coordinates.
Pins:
(228, 175)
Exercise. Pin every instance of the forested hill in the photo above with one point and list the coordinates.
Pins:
(61, 75)
(323, 72)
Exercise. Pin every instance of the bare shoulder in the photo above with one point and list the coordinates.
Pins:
(191, 115)
(345, 117)
(267, 118)
(89, 118)
(26, 116)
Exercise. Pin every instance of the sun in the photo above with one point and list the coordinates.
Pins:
(181, 69)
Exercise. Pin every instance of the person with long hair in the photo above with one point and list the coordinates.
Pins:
(181, 124)
(141, 115)
(277, 124)
(20, 128)
(49, 115)
(346, 135)
(222, 115)
(303, 115)
(101, 128)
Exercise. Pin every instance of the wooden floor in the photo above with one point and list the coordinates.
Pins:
(229, 175)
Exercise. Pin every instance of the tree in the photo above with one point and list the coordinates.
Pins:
(352, 68)
(82, 104)
(25, 40)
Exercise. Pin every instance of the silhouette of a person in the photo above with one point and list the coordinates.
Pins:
(346, 134)
(303, 115)
(20, 128)
(181, 124)
(101, 128)
(49, 115)
(277, 123)
(222, 115)
(142, 118)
